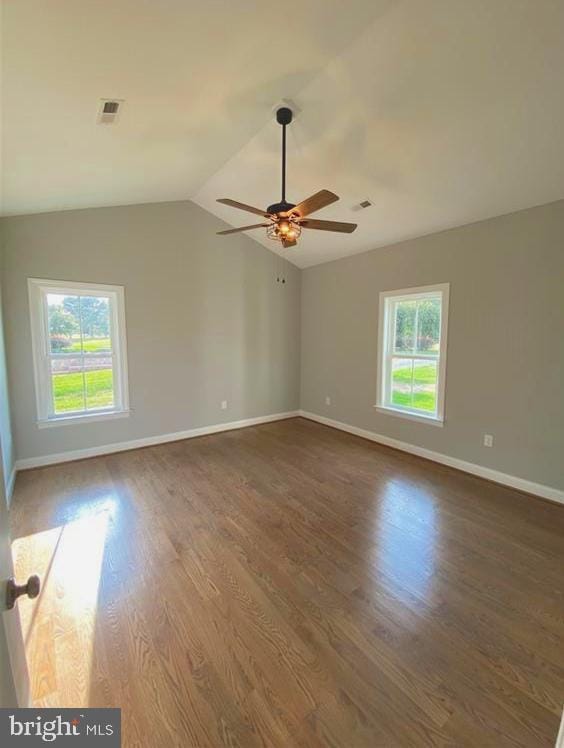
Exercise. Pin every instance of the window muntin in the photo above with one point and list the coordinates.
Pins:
(79, 349)
(412, 351)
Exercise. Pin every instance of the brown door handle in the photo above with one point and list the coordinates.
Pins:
(13, 590)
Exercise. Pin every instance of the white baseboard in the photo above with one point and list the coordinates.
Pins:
(104, 449)
(538, 489)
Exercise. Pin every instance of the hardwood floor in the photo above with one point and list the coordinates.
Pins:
(291, 585)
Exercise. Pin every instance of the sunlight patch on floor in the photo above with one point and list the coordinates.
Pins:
(59, 626)
(406, 531)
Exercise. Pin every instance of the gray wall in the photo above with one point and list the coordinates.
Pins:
(206, 319)
(505, 366)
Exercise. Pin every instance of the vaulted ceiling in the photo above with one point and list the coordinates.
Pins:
(440, 112)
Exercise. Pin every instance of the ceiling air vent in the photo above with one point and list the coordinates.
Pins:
(109, 111)
(366, 203)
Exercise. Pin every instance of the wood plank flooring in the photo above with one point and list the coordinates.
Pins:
(291, 585)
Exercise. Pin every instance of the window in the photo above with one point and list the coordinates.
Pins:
(412, 352)
(79, 351)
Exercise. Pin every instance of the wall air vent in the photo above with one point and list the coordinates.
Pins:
(109, 111)
(365, 204)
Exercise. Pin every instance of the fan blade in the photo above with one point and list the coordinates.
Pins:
(289, 243)
(320, 200)
(242, 228)
(344, 228)
(242, 206)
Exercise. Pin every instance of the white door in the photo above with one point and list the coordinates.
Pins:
(14, 678)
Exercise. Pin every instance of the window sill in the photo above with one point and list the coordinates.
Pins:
(82, 418)
(431, 420)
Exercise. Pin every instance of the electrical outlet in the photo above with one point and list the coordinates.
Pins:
(488, 440)
(224, 405)
(327, 400)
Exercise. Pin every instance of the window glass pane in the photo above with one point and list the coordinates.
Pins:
(411, 351)
(68, 385)
(95, 319)
(414, 384)
(99, 383)
(402, 370)
(404, 337)
(79, 324)
(428, 326)
(64, 323)
(424, 391)
(79, 362)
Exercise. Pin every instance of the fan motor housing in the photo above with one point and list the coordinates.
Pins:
(282, 207)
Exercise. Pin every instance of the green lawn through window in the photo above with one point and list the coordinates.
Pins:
(68, 390)
(424, 396)
(91, 345)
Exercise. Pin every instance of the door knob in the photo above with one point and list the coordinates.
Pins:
(13, 590)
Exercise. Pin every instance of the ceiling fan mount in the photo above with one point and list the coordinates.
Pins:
(284, 115)
(286, 220)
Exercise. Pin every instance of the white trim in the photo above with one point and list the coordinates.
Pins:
(104, 415)
(384, 358)
(104, 449)
(410, 416)
(420, 291)
(10, 484)
(521, 484)
(62, 286)
(37, 289)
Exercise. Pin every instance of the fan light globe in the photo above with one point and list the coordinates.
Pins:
(280, 230)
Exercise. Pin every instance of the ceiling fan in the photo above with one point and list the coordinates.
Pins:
(285, 221)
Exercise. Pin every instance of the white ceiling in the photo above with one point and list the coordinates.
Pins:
(199, 79)
(441, 112)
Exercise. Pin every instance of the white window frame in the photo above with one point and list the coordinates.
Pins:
(385, 338)
(38, 289)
